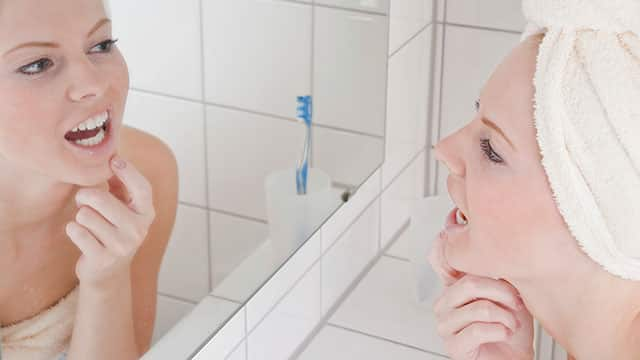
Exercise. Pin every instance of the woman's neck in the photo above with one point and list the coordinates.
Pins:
(31, 208)
(591, 313)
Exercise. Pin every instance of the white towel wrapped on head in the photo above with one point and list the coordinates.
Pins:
(587, 116)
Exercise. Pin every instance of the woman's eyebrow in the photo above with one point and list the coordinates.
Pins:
(493, 126)
(54, 45)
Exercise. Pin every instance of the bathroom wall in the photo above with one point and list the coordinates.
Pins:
(217, 81)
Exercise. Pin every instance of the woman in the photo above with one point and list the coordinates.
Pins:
(546, 179)
(83, 227)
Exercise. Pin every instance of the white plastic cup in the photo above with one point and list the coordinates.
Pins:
(293, 218)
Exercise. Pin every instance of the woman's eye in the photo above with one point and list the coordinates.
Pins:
(485, 145)
(106, 45)
(36, 67)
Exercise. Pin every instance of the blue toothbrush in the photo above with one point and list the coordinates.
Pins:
(305, 105)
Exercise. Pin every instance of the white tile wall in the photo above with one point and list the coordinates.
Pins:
(388, 292)
(192, 331)
(168, 312)
(174, 121)
(279, 334)
(407, 18)
(147, 43)
(232, 239)
(398, 198)
(226, 339)
(237, 167)
(257, 54)
(342, 219)
(349, 255)
(381, 6)
(407, 103)
(349, 86)
(260, 304)
(340, 344)
(499, 14)
(184, 271)
(348, 158)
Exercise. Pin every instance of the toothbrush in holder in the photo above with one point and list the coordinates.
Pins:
(305, 105)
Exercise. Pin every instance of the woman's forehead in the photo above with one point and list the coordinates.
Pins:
(508, 94)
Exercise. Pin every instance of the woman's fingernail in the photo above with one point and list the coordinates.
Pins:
(119, 162)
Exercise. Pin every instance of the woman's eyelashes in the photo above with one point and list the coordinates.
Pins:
(41, 65)
(488, 152)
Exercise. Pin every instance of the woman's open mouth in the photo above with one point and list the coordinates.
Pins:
(93, 137)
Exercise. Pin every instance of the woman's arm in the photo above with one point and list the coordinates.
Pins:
(103, 327)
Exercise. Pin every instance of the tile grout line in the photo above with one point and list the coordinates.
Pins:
(426, 186)
(355, 331)
(396, 257)
(225, 299)
(177, 298)
(440, 96)
(479, 27)
(224, 212)
(253, 112)
(404, 44)
(206, 142)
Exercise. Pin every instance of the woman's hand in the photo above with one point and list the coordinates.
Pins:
(111, 225)
(481, 318)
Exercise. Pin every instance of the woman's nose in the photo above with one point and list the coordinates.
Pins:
(86, 82)
(443, 153)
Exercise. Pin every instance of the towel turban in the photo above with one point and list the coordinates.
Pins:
(587, 117)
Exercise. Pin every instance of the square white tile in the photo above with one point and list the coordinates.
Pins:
(388, 291)
(470, 57)
(400, 247)
(339, 344)
(193, 330)
(499, 14)
(348, 158)
(243, 148)
(283, 280)
(257, 54)
(340, 221)
(397, 199)
(350, 255)
(168, 312)
(180, 124)
(282, 330)
(226, 339)
(149, 54)
(409, 73)
(232, 240)
(407, 17)
(350, 64)
(185, 266)
(381, 6)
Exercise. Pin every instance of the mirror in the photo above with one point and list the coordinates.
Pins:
(218, 81)
(273, 109)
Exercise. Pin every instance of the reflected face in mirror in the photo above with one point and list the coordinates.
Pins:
(69, 73)
(496, 178)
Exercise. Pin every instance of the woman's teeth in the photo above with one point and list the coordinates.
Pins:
(461, 219)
